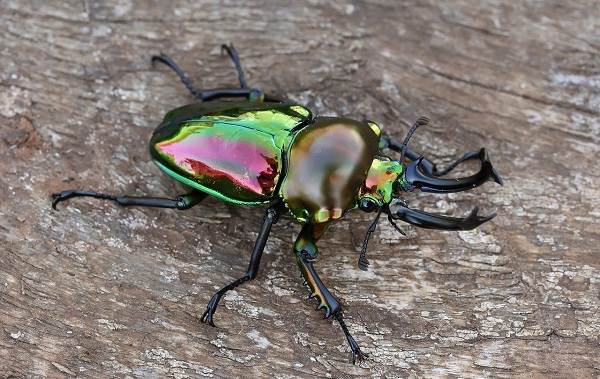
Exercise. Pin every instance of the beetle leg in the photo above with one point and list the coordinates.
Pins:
(271, 217)
(357, 354)
(306, 252)
(432, 221)
(363, 262)
(233, 54)
(183, 76)
(212, 94)
(180, 202)
(253, 94)
(391, 221)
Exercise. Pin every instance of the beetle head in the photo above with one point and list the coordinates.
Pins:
(380, 185)
(425, 176)
(387, 178)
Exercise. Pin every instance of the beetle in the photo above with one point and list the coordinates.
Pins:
(263, 150)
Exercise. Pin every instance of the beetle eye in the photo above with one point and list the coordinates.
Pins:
(367, 205)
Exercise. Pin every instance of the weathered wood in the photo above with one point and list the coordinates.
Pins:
(99, 291)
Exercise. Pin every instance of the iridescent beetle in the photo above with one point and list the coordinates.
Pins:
(266, 151)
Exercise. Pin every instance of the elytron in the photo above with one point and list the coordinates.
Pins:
(260, 150)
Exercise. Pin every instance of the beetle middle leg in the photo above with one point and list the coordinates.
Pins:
(271, 216)
(181, 202)
(306, 252)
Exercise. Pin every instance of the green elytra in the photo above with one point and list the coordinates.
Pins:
(265, 151)
(254, 152)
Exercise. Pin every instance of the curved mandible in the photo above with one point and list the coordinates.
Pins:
(432, 221)
(417, 177)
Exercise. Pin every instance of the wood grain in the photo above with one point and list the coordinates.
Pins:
(100, 291)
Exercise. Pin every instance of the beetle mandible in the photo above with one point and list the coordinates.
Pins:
(262, 150)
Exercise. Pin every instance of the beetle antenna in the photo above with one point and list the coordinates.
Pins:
(391, 220)
(421, 121)
(363, 262)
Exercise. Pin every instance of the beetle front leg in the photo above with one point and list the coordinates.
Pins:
(271, 217)
(306, 253)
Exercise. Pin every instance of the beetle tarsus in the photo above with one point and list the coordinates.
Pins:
(211, 307)
(233, 54)
(183, 76)
(207, 316)
(363, 263)
(357, 356)
(68, 194)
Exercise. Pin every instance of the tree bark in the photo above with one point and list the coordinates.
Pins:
(95, 290)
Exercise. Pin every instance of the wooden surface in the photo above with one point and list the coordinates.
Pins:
(100, 291)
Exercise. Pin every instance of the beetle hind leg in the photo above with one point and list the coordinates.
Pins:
(235, 58)
(181, 202)
(251, 94)
(183, 76)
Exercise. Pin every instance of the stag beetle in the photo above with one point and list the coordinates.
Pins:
(262, 150)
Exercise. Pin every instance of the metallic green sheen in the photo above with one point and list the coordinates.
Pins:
(327, 165)
(379, 184)
(232, 151)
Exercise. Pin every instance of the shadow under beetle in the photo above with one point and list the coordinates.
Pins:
(262, 150)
